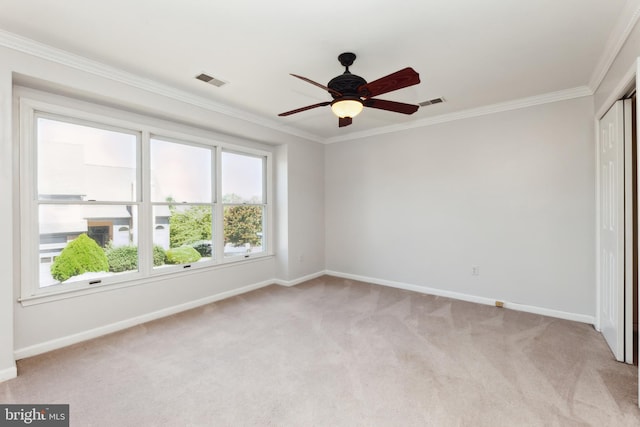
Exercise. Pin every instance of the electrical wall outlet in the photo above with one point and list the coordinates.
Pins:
(475, 270)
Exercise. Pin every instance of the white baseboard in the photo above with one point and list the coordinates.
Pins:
(299, 279)
(583, 318)
(8, 373)
(576, 317)
(118, 326)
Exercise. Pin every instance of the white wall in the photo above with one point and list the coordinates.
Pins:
(300, 219)
(511, 192)
(281, 185)
(306, 210)
(27, 330)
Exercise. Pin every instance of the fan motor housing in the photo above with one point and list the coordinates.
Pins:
(347, 84)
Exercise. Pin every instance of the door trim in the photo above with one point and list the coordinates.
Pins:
(629, 231)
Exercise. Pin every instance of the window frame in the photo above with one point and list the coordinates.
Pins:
(37, 202)
(169, 268)
(264, 204)
(30, 104)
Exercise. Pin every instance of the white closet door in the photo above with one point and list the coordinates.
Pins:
(611, 228)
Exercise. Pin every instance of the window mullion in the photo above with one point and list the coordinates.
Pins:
(267, 225)
(145, 234)
(218, 229)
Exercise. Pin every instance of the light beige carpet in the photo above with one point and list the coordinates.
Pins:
(333, 352)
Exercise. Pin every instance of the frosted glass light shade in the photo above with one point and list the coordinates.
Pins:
(347, 108)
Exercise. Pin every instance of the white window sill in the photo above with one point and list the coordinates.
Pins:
(46, 297)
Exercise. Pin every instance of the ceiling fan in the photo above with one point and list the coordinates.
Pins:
(351, 93)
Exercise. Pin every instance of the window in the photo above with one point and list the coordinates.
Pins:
(87, 179)
(105, 200)
(182, 200)
(243, 199)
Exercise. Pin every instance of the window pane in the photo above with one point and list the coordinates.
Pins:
(81, 242)
(180, 172)
(243, 225)
(78, 162)
(242, 178)
(182, 233)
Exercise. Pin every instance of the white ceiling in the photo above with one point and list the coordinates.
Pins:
(473, 53)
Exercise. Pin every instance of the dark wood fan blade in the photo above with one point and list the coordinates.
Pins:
(344, 121)
(335, 92)
(398, 80)
(396, 107)
(308, 107)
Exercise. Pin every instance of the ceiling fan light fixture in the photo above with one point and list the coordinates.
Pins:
(350, 107)
(351, 93)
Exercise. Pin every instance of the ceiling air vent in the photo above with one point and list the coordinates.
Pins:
(211, 80)
(431, 102)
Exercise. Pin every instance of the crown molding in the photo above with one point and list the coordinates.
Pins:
(49, 53)
(562, 95)
(626, 22)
